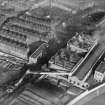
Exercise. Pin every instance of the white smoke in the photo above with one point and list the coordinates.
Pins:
(96, 35)
(99, 34)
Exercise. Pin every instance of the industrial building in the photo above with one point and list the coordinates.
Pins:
(50, 52)
(76, 49)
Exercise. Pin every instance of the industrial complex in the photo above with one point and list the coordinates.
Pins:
(52, 52)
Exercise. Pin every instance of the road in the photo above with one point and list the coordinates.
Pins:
(99, 100)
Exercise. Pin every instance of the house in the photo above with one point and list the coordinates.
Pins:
(99, 74)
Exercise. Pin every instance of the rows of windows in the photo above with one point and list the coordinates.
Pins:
(12, 42)
(36, 19)
(23, 31)
(30, 29)
(16, 31)
(13, 35)
(8, 65)
(14, 47)
(12, 59)
(28, 24)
